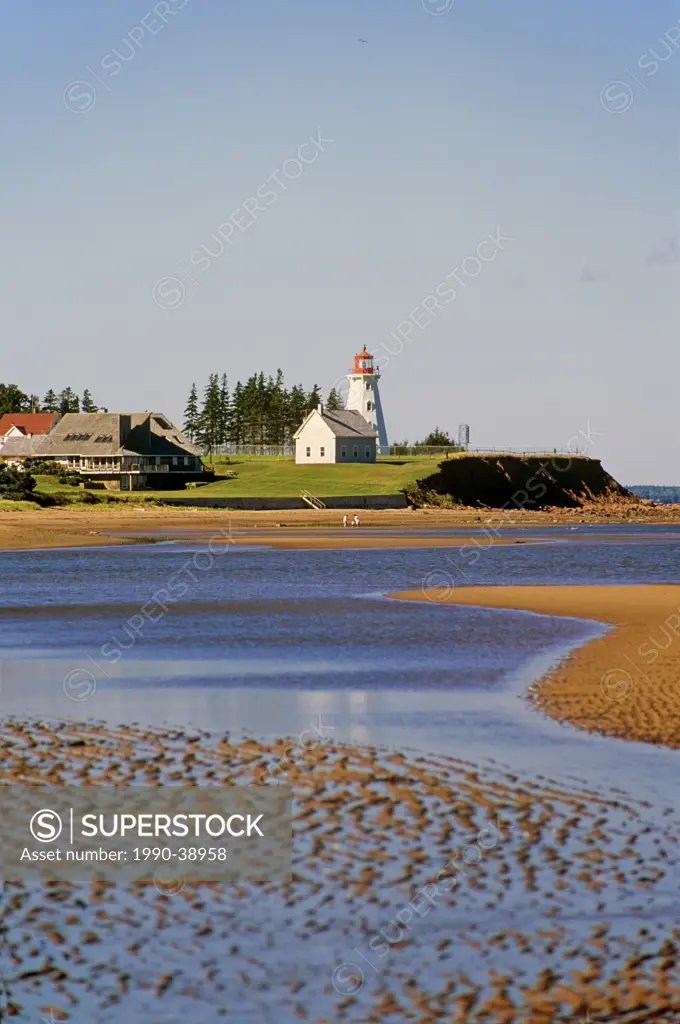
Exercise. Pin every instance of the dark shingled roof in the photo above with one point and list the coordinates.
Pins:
(22, 447)
(64, 438)
(347, 423)
(111, 433)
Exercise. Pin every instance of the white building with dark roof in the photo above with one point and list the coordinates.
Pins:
(342, 435)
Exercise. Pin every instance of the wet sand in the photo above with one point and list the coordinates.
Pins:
(86, 526)
(625, 683)
(545, 902)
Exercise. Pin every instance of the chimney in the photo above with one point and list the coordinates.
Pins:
(320, 409)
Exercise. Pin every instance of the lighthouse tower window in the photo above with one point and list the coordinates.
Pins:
(368, 385)
(369, 406)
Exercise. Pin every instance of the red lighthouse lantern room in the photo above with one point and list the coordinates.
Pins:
(363, 362)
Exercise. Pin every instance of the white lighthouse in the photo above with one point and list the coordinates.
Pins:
(364, 397)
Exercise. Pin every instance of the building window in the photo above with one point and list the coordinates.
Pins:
(368, 385)
(322, 452)
(308, 452)
(369, 406)
(343, 452)
(356, 451)
(368, 453)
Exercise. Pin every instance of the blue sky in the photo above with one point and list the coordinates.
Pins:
(444, 127)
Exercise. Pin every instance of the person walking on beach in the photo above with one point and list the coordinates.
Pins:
(344, 520)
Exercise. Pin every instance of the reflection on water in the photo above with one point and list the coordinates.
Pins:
(263, 641)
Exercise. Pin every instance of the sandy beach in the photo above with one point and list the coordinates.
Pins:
(511, 873)
(624, 683)
(85, 526)
(546, 899)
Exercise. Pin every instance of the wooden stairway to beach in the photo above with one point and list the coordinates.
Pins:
(311, 500)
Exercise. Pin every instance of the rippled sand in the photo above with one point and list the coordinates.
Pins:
(625, 683)
(423, 889)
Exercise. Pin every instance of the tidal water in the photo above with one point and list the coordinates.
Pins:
(264, 642)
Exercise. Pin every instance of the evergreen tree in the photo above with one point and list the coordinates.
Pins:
(276, 409)
(247, 403)
(437, 439)
(314, 398)
(191, 414)
(68, 401)
(334, 401)
(250, 403)
(297, 410)
(236, 425)
(87, 405)
(225, 411)
(210, 415)
(13, 399)
(260, 409)
(50, 402)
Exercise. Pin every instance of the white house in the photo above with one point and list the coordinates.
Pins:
(13, 432)
(342, 435)
(26, 424)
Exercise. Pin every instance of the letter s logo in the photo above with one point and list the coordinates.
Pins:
(46, 826)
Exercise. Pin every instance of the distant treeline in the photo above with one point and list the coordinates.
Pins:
(261, 411)
(664, 495)
(13, 399)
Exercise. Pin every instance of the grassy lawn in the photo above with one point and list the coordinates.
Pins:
(281, 477)
(50, 485)
(265, 476)
(15, 506)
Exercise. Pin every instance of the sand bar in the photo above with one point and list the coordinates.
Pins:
(86, 526)
(625, 683)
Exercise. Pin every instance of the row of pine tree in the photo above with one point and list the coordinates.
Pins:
(13, 399)
(261, 411)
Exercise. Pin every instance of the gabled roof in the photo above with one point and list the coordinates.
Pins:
(81, 433)
(29, 422)
(113, 433)
(341, 422)
(154, 434)
(348, 423)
